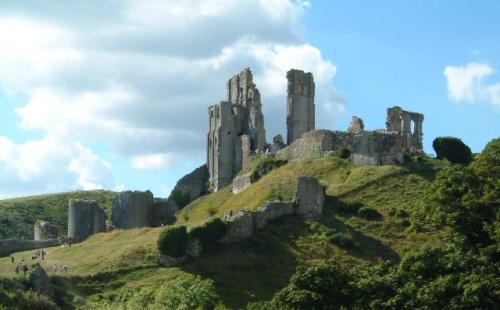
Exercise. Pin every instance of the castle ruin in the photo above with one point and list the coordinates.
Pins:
(408, 125)
(85, 218)
(300, 106)
(236, 130)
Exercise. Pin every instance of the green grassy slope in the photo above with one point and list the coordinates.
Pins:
(17, 216)
(255, 269)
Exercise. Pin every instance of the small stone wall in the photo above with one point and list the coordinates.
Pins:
(378, 148)
(132, 209)
(311, 198)
(10, 246)
(242, 182)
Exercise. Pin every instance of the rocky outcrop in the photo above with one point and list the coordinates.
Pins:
(132, 209)
(40, 282)
(241, 228)
(193, 184)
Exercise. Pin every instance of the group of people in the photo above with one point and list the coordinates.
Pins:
(38, 254)
(24, 267)
(63, 270)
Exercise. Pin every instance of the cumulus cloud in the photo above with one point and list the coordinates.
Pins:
(139, 76)
(467, 83)
(50, 165)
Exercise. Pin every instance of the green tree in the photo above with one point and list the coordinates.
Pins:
(325, 286)
(453, 149)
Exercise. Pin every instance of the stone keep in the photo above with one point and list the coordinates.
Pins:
(300, 104)
(408, 125)
(85, 218)
(132, 209)
(236, 130)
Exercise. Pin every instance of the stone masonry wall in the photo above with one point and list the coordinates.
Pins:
(10, 246)
(301, 111)
(132, 209)
(85, 218)
(311, 198)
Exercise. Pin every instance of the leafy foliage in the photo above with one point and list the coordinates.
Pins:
(453, 149)
(326, 286)
(467, 199)
(180, 198)
(173, 241)
(210, 232)
(369, 213)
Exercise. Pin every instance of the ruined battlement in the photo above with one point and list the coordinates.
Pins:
(300, 108)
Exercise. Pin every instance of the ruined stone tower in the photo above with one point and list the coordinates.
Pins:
(408, 125)
(85, 218)
(300, 104)
(236, 130)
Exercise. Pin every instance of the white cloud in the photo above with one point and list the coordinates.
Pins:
(50, 165)
(467, 83)
(139, 76)
(152, 161)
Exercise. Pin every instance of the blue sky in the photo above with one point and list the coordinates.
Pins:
(115, 94)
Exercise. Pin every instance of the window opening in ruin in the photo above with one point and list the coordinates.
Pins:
(412, 126)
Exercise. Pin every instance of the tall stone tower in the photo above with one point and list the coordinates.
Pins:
(300, 104)
(236, 130)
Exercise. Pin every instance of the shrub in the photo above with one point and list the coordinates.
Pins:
(369, 213)
(180, 198)
(173, 241)
(210, 232)
(344, 153)
(343, 240)
(453, 149)
(350, 208)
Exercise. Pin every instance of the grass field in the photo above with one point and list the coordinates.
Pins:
(255, 269)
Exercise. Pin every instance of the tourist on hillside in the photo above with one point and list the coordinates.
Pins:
(12, 259)
(54, 269)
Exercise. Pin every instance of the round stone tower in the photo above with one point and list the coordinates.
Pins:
(132, 209)
(85, 218)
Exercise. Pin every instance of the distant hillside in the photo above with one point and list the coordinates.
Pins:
(366, 216)
(18, 215)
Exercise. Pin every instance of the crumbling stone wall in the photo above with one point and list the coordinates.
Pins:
(310, 195)
(85, 218)
(300, 104)
(236, 130)
(315, 144)
(240, 183)
(10, 246)
(356, 126)
(378, 148)
(44, 230)
(132, 209)
(408, 125)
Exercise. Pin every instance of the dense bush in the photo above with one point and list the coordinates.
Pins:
(369, 214)
(173, 241)
(453, 149)
(343, 240)
(210, 232)
(180, 198)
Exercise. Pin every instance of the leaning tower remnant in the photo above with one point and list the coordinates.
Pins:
(85, 218)
(300, 104)
(236, 130)
(43, 230)
(132, 209)
(408, 125)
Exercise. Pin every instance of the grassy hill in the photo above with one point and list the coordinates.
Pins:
(18, 215)
(366, 214)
